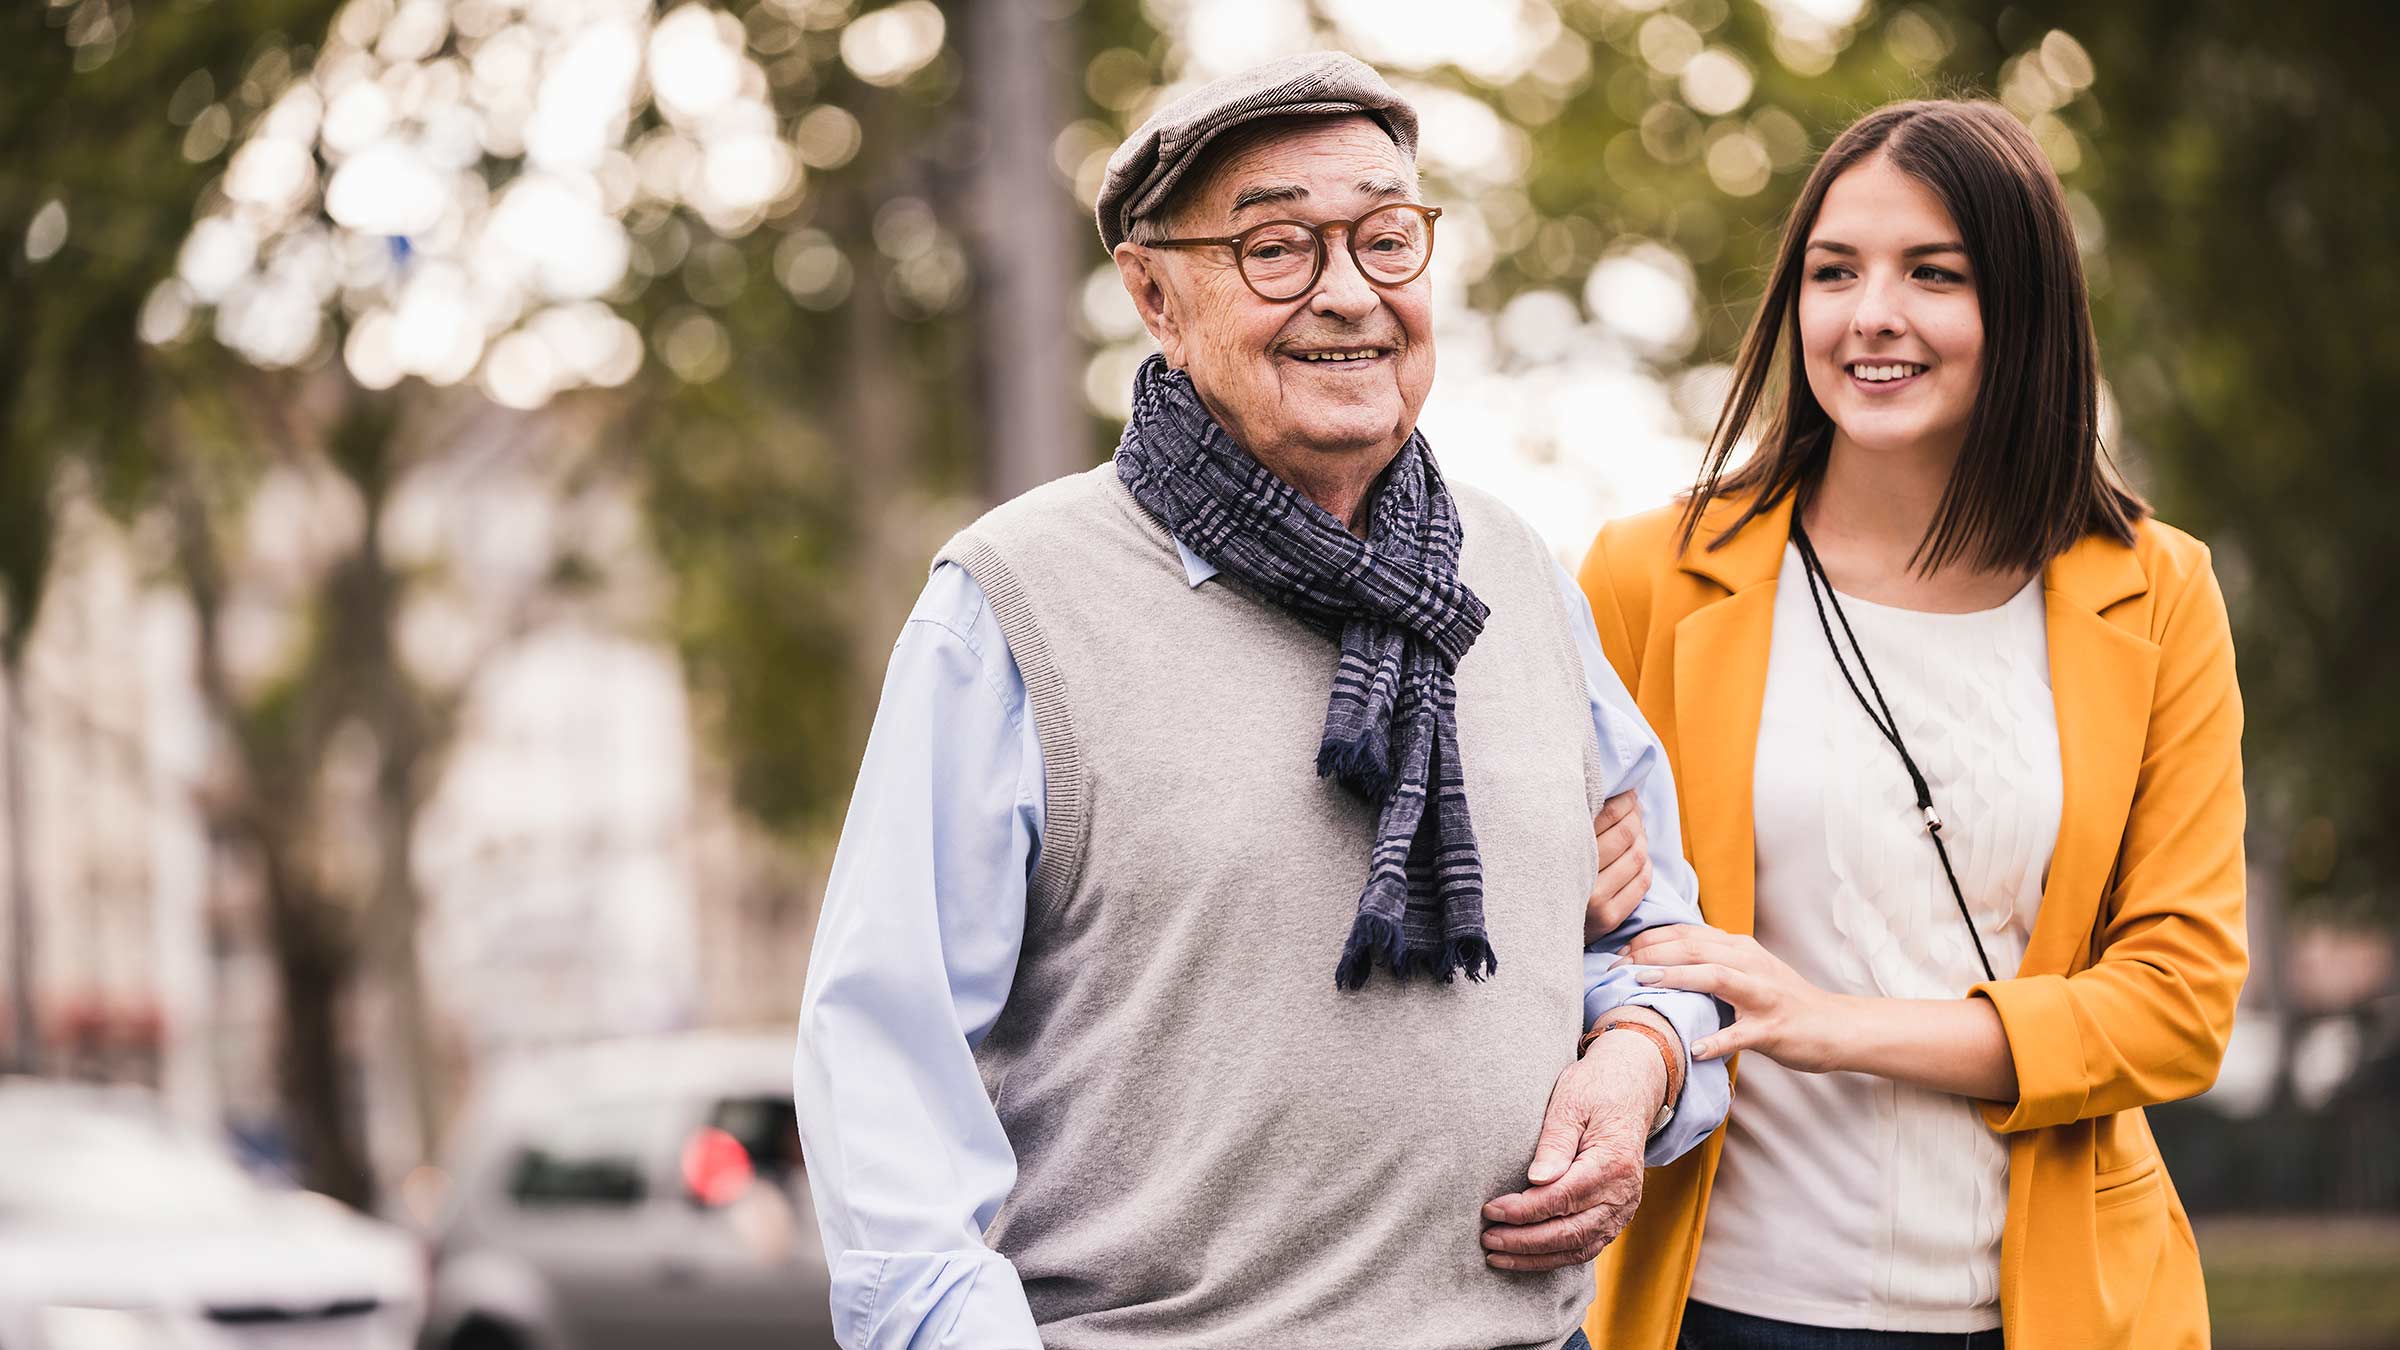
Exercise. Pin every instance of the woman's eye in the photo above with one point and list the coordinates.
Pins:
(1829, 272)
(1939, 275)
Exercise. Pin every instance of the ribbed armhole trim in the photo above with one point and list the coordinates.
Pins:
(1536, 555)
(1064, 794)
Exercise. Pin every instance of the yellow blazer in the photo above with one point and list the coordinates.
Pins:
(2126, 993)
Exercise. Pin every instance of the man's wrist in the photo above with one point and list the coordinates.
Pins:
(1625, 1073)
(1664, 1045)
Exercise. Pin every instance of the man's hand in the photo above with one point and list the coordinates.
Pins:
(1624, 876)
(1587, 1165)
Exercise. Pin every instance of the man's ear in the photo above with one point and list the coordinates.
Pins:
(1153, 298)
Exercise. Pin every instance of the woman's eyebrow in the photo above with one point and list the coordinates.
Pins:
(1912, 251)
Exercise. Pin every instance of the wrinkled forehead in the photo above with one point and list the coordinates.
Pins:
(1299, 161)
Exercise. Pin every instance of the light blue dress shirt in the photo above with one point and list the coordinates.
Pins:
(917, 946)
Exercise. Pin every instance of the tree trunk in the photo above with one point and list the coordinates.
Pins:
(315, 967)
(314, 959)
(1025, 278)
(879, 412)
(405, 738)
(24, 1027)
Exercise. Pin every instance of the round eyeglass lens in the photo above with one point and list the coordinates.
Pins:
(1280, 260)
(1391, 244)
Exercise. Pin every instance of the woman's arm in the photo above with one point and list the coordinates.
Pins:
(2145, 1022)
(1954, 1045)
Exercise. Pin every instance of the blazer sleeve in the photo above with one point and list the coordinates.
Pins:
(2147, 1021)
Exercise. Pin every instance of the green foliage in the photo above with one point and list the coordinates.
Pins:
(2244, 167)
(85, 95)
(779, 491)
(1625, 156)
(747, 513)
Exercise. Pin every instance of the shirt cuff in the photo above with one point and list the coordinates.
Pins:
(1706, 1093)
(963, 1300)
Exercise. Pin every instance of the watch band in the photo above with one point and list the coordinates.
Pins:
(1669, 1054)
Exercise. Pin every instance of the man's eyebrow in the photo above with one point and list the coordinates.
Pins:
(1382, 187)
(1912, 251)
(1266, 193)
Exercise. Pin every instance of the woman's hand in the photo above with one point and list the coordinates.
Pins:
(1624, 876)
(1777, 1013)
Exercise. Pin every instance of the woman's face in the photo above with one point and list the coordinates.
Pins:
(1890, 331)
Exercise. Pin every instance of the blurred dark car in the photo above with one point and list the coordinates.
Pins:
(121, 1230)
(638, 1193)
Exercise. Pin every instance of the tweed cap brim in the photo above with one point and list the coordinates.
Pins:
(1145, 169)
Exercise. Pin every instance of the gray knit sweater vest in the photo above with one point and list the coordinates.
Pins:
(1216, 1148)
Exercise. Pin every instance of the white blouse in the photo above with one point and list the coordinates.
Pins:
(1842, 1199)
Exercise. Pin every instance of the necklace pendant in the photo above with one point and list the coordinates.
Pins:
(1933, 823)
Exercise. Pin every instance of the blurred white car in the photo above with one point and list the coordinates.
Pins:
(119, 1230)
(638, 1193)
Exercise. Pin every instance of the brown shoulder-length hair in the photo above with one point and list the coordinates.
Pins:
(2032, 477)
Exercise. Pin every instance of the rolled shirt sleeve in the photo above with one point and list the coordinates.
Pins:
(1632, 757)
(916, 949)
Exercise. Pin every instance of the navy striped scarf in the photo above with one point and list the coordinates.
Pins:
(1394, 603)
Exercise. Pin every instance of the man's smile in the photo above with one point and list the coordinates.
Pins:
(1352, 357)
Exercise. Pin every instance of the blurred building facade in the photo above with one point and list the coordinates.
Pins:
(583, 874)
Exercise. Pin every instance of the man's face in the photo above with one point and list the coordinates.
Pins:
(1250, 358)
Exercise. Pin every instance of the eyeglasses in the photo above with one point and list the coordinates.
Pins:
(1282, 259)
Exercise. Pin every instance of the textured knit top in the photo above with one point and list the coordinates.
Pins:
(1843, 1199)
(1216, 1148)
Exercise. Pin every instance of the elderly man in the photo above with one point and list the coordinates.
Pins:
(1199, 778)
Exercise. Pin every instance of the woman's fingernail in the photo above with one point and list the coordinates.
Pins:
(1649, 975)
(1703, 1050)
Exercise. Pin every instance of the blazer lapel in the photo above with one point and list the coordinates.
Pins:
(1720, 685)
(2101, 679)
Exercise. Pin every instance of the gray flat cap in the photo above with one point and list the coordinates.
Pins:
(1147, 166)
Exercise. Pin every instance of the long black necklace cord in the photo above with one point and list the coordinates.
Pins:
(1886, 724)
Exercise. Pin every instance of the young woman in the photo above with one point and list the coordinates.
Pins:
(1958, 742)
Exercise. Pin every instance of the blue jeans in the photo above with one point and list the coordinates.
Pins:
(1711, 1328)
(1576, 1342)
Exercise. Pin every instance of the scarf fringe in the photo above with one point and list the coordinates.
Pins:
(1361, 765)
(1371, 936)
(1469, 956)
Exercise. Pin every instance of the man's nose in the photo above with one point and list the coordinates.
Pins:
(1343, 291)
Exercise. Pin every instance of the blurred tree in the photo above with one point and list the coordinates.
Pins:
(105, 193)
(2242, 162)
(332, 751)
(1026, 237)
(102, 112)
(931, 364)
(453, 195)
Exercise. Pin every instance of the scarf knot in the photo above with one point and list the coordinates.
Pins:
(1403, 620)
